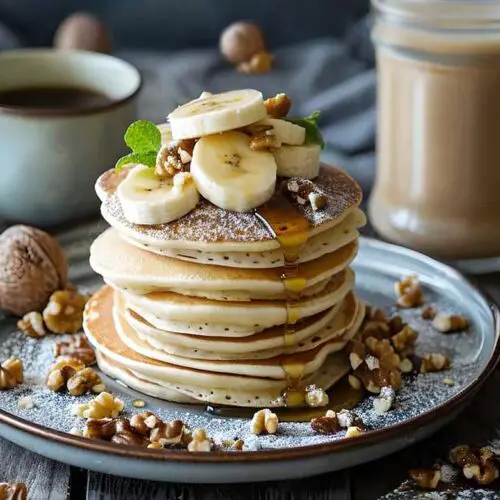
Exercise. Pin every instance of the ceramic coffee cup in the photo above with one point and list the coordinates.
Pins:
(52, 157)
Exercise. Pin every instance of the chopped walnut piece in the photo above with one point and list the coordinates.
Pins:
(376, 379)
(128, 438)
(7, 380)
(264, 421)
(384, 351)
(384, 402)
(450, 323)
(317, 201)
(102, 428)
(102, 406)
(61, 371)
(348, 418)
(428, 312)
(200, 441)
(266, 141)
(434, 362)
(328, 424)
(427, 479)
(409, 292)
(138, 423)
(83, 381)
(238, 445)
(404, 341)
(169, 433)
(278, 106)
(372, 362)
(356, 360)
(353, 432)
(174, 157)
(475, 464)
(15, 367)
(64, 312)
(26, 403)
(32, 325)
(316, 396)
(406, 365)
(396, 324)
(77, 347)
(98, 388)
(13, 491)
(155, 446)
(376, 329)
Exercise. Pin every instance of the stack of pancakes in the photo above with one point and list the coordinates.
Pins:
(197, 310)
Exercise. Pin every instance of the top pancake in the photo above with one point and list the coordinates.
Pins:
(210, 227)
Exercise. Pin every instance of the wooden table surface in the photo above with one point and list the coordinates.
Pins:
(47, 479)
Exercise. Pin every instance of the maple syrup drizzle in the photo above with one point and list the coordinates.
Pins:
(291, 230)
(341, 396)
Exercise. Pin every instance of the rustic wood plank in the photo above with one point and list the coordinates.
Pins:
(46, 479)
(326, 487)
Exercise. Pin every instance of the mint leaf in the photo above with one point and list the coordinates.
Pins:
(148, 159)
(310, 123)
(143, 137)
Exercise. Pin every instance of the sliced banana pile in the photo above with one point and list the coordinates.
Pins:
(239, 152)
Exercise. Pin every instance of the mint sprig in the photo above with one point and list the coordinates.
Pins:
(144, 139)
(310, 123)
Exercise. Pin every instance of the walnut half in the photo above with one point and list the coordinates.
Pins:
(13, 491)
(64, 312)
(278, 106)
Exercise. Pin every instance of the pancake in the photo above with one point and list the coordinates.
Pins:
(325, 242)
(129, 267)
(204, 385)
(271, 343)
(212, 229)
(336, 366)
(198, 316)
(270, 367)
(226, 346)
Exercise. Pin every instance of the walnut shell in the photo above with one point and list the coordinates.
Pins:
(240, 41)
(32, 267)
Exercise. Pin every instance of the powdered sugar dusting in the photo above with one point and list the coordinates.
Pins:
(420, 393)
(208, 223)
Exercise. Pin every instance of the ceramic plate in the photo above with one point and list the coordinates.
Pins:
(424, 404)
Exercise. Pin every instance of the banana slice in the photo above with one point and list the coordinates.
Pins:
(217, 113)
(230, 175)
(285, 132)
(298, 161)
(147, 199)
(166, 133)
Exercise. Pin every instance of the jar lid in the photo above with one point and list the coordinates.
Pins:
(454, 14)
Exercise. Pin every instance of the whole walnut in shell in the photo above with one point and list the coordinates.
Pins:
(240, 41)
(83, 31)
(32, 267)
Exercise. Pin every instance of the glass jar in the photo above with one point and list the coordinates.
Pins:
(437, 186)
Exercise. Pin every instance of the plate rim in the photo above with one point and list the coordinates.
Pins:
(301, 452)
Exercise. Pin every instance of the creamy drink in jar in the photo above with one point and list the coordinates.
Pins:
(437, 187)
